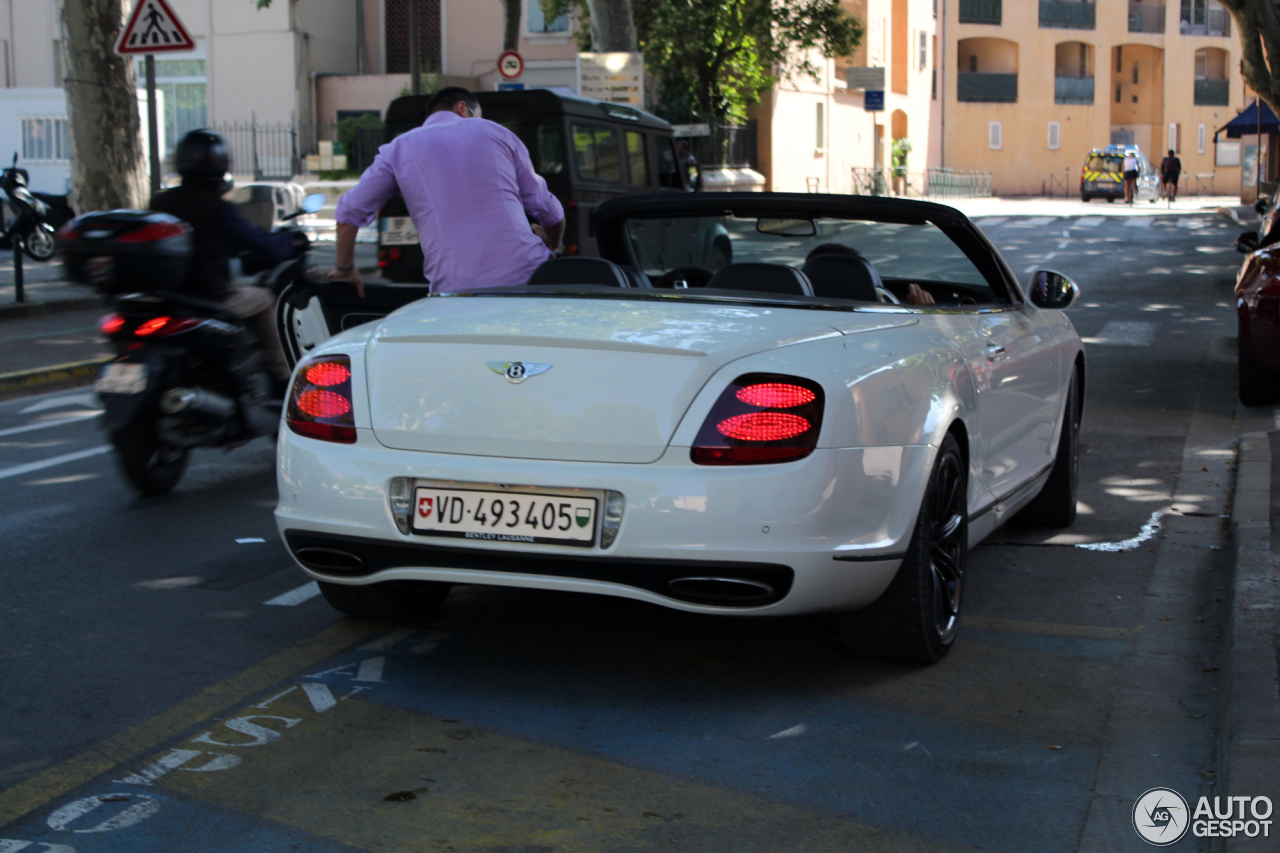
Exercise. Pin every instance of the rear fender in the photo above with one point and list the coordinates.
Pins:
(121, 411)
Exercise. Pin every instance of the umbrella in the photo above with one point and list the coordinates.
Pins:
(1246, 124)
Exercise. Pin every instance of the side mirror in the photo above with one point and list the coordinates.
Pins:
(1247, 243)
(313, 202)
(1260, 205)
(1053, 290)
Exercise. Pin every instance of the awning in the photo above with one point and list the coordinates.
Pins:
(1246, 124)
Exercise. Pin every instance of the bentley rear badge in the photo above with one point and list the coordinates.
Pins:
(517, 371)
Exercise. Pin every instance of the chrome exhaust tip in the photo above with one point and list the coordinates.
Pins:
(726, 591)
(329, 560)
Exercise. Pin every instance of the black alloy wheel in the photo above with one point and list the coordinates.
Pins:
(917, 617)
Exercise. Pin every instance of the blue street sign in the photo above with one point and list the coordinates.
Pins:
(873, 100)
(514, 87)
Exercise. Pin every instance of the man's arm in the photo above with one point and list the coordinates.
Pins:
(345, 257)
(241, 234)
(534, 195)
(358, 208)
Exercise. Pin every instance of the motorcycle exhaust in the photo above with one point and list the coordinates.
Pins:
(199, 403)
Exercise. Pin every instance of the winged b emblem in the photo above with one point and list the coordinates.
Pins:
(517, 371)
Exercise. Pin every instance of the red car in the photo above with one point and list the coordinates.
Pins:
(1258, 313)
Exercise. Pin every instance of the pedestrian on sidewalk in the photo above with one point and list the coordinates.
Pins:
(1130, 175)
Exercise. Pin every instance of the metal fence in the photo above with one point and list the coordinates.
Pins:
(980, 11)
(869, 181)
(1073, 90)
(1067, 14)
(951, 183)
(1146, 18)
(986, 88)
(730, 147)
(1213, 93)
(1204, 22)
(278, 150)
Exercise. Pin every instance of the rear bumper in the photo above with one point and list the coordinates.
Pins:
(824, 533)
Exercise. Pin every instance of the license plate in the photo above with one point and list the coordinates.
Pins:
(101, 269)
(504, 516)
(120, 378)
(398, 231)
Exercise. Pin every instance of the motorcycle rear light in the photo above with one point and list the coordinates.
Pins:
(150, 327)
(111, 324)
(154, 231)
(761, 418)
(164, 326)
(327, 373)
(320, 402)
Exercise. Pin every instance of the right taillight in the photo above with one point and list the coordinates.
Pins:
(761, 418)
(320, 404)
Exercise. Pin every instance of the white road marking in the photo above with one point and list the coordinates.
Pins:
(82, 416)
(294, 597)
(991, 220)
(371, 669)
(1192, 223)
(1087, 222)
(144, 808)
(250, 541)
(90, 400)
(1125, 334)
(1051, 256)
(1066, 234)
(19, 470)
(9, 845)
(1031, 268)
(1062, 245)
(1138, 222)
(1037, 221)
(791, 732)
(244, 725)
(394, 638)
(320, 695)
(1150, 529)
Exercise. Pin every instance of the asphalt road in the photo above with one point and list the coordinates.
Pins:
(169, 682)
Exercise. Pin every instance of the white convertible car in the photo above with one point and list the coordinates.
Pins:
(782, 435)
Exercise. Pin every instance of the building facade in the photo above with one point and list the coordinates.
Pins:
(1033, 86)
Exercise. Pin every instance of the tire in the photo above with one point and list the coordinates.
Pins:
(1258, 387)
(394, 601)
(39, 244)
(917, 617)
(1111, 199)
(1086, 198)
(151, 467)
(1055, 506)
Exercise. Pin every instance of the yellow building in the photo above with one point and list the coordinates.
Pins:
(1031, 87)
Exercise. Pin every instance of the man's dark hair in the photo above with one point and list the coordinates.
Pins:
(832, 249)
(450, 95)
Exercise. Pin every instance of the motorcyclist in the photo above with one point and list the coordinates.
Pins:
(221, 231)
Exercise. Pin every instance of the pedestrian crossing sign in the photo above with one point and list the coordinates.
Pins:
(153, 28)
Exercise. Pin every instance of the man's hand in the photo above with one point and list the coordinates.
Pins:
(550, 235)
(352, 275)
(917, 295)
(344, 258)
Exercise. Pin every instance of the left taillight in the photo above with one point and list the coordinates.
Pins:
(320, 404)
(761, 418)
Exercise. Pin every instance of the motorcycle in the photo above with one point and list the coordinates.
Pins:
(36, 216)
(187, 373)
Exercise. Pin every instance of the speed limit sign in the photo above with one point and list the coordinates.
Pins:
(510, 65)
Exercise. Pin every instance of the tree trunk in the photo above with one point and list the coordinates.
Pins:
(107, 169)
(511, 24)
(613, 28)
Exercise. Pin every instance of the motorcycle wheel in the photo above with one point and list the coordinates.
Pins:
(151, 467)
(39, 244)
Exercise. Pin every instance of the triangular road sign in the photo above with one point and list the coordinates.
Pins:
(153, 28)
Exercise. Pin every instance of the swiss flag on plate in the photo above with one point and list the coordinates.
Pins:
(425, 506)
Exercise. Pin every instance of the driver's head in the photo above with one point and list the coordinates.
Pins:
(454, 99)
(832, 249)
(202, 158)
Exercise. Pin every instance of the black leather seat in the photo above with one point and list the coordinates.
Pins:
(586, 271)
(765, 278)
(843, 277)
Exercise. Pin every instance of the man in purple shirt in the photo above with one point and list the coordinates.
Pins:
(467, 185)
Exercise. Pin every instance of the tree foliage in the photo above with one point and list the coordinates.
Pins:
(714, 58)
(1259, 25)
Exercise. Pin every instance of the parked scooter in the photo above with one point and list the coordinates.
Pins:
(187, 373)
(36, 216)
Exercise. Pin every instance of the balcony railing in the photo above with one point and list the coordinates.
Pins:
(980, 11)
(1212, 22)
(1213, 93)
(1073, 90)
(1066, 14)
(987, 88)
(1146, 18)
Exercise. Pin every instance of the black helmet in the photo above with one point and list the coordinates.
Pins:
(202, 156)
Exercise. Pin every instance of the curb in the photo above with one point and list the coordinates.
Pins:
(18, 310)
(58, 374)
(1249, 736)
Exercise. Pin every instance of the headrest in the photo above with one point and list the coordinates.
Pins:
(580, 271)
(765, 278)
(843, 277)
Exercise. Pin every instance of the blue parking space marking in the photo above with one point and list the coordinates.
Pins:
(99, 821)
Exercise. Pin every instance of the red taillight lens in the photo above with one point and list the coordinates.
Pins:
(111, 324)
(327, 373)
(150, 327)
(320, 404)
(154, 231)
(775, 395)
(164, 326)
(66, 232)
(761, 418)
(395, 254)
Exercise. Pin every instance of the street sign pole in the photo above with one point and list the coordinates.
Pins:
(153, 126)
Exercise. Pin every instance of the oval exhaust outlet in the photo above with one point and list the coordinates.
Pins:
(329, 560)
(730, 591)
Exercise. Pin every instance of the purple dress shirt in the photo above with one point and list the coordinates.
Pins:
(467, 184)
